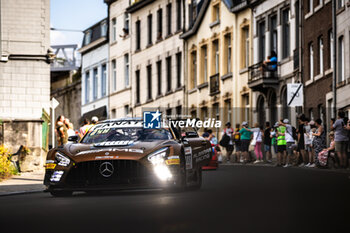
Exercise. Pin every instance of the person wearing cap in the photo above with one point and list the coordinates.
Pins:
(289, 142)
(229, 148)
(246, 136)
(281, 143)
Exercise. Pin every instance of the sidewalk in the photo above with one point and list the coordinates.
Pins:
(29, 182)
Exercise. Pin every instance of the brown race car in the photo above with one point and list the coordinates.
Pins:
(122, 154)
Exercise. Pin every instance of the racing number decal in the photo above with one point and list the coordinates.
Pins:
(188, 157)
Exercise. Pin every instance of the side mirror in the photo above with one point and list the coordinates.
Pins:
(74, 138)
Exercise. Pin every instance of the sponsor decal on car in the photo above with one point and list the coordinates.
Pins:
(114, 143)
(202, 155)
(50, 166)
(188, 157)
(106, 157)
(119, 124)
(110, 150)
(173, 160)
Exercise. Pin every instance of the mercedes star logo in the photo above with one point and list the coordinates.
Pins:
(106, 169)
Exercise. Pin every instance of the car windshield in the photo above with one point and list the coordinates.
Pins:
(125, 136)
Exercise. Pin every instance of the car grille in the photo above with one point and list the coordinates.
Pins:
(125, 172)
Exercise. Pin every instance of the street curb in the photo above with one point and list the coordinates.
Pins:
(21, 193)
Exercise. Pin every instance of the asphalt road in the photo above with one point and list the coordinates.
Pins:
(232, 199)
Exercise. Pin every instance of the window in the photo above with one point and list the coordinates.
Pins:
(104, 80)
(178, 112)
(204, 113)
(310, 5)
(114, 29)
(228, 110)
(103, 28)
(341, 63)
(320, 47)
(126, 110)
(229, 52)
(245, 48)
(311, 61)
(331, 53)
(126, 70)
(149, 22)
(285, 33)
(216, 13)
(204, 63)
(216, 56)
(168, 8)
(149, 82)
(216, 111)
(126, 23)
(168, 73)
(193, 69)
(273, 33)
(160, 24)
(341, 3)
(87, 87)
(159, 77)
(245, 99)
(137, 74)
(178, 15)
(87, 37)
(261, 34)
(114, 74)
(178, 69)
(169, 112)
(95, 83)
(138, 35)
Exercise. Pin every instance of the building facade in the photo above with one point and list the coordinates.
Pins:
(94, 68)
(157, 56)
(25, 78)
(275, 28)
(318, 65)
(120, 98)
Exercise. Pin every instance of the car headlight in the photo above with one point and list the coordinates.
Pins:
(157, 158)
(62, 160)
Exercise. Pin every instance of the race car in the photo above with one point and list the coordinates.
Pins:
(123, 154)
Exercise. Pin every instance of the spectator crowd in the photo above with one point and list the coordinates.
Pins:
(303, 145)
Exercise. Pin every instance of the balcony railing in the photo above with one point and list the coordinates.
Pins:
(214, 84)
(261, 77)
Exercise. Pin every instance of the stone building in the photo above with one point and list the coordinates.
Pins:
(25, 78)
(218, 48)
(275, 28)
(120, 97)
(157, 56)
(317, 57)
(94, 69)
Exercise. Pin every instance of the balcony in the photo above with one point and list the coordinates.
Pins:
(261, 79)
(214, 84)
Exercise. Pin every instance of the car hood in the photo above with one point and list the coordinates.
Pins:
(80, 152)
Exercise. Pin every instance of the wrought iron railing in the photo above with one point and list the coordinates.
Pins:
(258, 71)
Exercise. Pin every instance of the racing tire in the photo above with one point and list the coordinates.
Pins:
(61, 193)
(197, 179)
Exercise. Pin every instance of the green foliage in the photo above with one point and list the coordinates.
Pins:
(6, 167)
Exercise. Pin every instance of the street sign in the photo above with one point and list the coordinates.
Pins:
(54, 103)
(295, 95)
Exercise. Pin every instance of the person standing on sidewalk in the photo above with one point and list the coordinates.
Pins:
(301, 139)
(281, 144)
(289, 142)
(229, 147)
(245, 140)
(258, 136)
(237, 140)
(267, 142)
(341, 138)
(319, 142)
(61, 131)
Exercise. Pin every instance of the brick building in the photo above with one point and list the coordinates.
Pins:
(317, 63)
(25, 77)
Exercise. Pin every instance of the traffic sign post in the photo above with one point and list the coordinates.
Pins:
(295, 96)
(54, 105)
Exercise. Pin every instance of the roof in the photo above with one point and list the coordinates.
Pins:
(95, 32)
(137, 5)
(233, 6)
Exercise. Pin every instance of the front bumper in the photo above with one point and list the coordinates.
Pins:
(128, 174)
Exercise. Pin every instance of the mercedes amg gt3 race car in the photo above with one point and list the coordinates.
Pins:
(122, 154)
